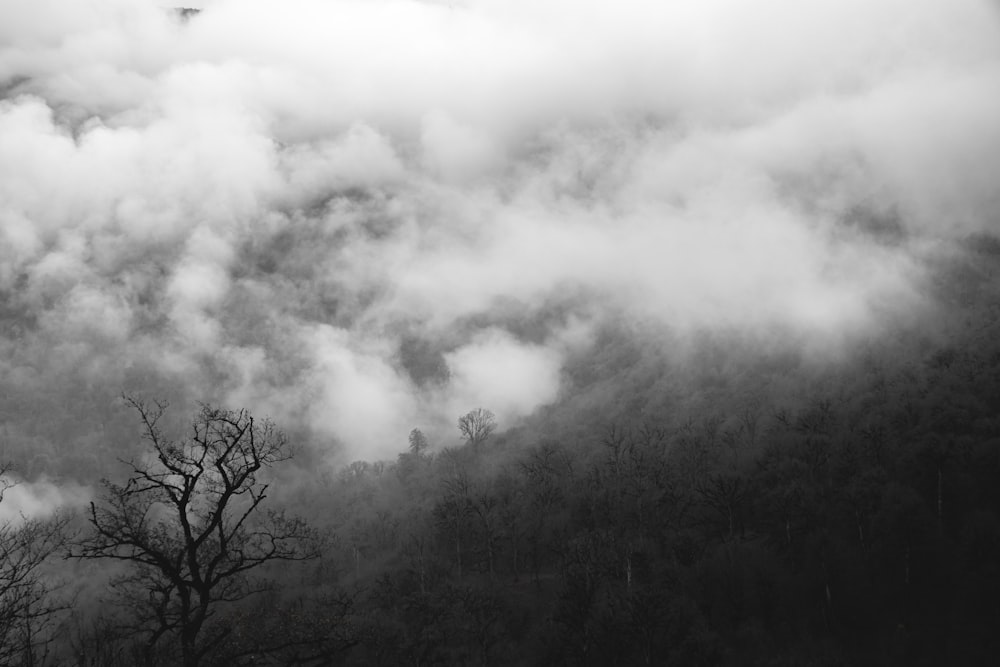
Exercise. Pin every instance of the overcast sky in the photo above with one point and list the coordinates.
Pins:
(365, 216)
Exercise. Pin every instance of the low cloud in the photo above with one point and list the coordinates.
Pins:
(497, 370)
(360, 217)
(39, 499)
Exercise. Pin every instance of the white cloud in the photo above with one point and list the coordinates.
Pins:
(39, 499)
(356, 395)
(499, 373)
(455, 152)
(269, 198)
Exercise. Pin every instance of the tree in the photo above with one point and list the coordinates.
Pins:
(477, 426)
(418, 442)
(191, 522)
(27, 605)
(452, 511)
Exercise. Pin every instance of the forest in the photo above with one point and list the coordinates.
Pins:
(740, 503)
(499, 332)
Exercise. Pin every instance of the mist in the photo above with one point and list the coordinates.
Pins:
(364, 217)
(24, 501)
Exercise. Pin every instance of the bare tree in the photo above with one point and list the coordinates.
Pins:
(477, 426)
(27, 603)
(190, 521)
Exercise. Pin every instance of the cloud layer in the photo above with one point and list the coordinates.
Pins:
(361, 217)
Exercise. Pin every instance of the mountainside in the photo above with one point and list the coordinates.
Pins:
(575, 332)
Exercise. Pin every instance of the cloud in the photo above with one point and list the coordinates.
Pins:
(496, 370)
(362, 216)
(359, 397)
(455, 152)
(39, 499)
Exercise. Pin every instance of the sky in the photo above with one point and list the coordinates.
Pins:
(360, 217)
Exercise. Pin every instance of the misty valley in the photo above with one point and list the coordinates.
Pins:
(735, 503)
(573, 333)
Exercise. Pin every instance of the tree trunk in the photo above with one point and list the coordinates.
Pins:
(489, 551)
(423, 573)
(940, 499)
(906, 567)
(189, 655)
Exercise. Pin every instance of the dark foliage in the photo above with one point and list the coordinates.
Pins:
(737, 504)
(741, 506)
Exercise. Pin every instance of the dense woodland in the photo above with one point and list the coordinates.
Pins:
(715, 500)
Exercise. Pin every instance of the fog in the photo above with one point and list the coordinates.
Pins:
(359, 217)
(23, 501)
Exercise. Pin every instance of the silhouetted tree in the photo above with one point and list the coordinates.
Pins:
(418, 442)
(190, 521)
(477, 426)
(452, 512)
(27, 604)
